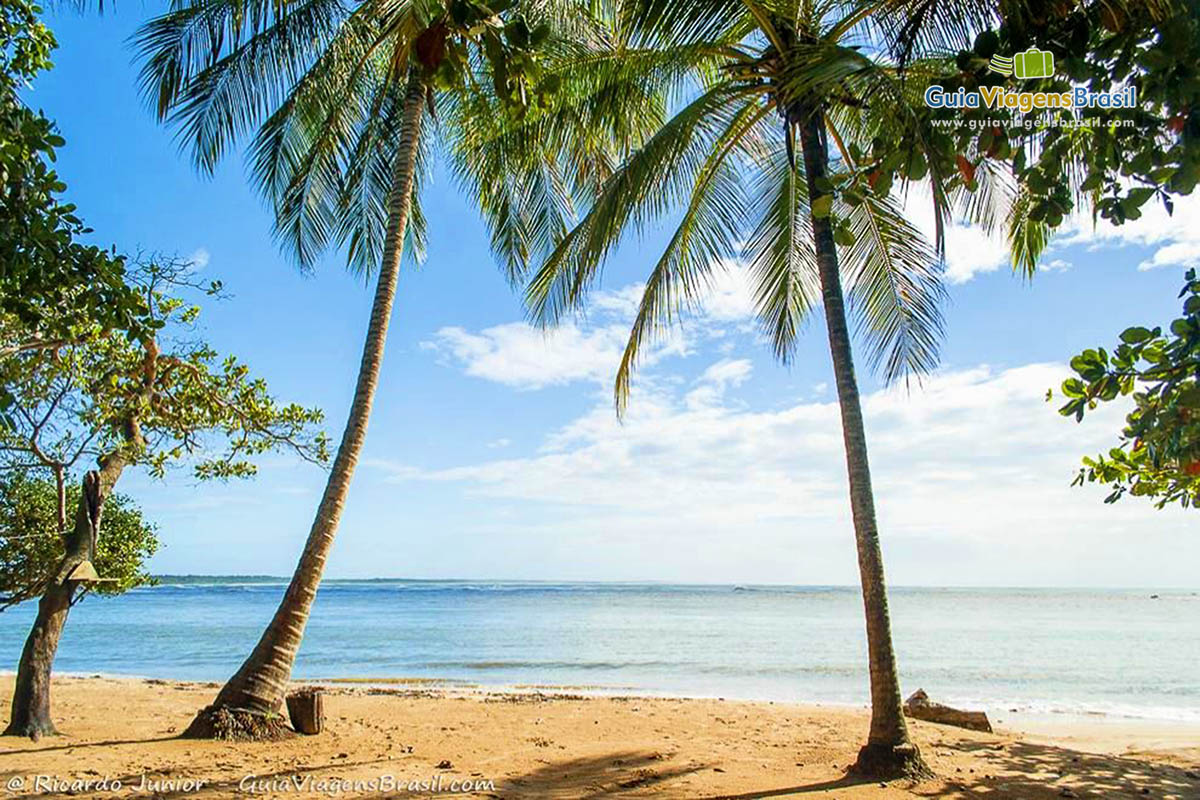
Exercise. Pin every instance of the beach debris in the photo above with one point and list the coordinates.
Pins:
(919, 706)
(642, 776)
(237, 725)
(445, 764)
(306, 710)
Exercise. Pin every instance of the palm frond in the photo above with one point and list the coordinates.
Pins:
(217, 91)
(894, 282)
(779, 251)
(648, 184)
(705, 238)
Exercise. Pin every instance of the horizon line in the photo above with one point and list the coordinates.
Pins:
(661, 582)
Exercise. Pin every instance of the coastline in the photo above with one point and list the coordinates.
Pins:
(1016, 715)
(563, 744)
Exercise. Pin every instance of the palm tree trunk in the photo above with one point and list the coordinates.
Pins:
(31, 694)
(260, 685)
(888, 751)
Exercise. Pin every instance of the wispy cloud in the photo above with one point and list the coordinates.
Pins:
(199, 258)
(1175, 237)
(975, 453)
(589, 348)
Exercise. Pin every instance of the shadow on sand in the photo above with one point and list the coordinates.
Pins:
(1001, 771)
(1043, 772)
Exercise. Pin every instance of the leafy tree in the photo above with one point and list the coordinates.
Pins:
(1120, 158)
(339, 98)
(1159, 451)
(53, 288)
(162, 400)
(32, 538)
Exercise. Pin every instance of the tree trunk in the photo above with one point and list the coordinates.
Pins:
(888, 751)
(260, 685)
(31, 694)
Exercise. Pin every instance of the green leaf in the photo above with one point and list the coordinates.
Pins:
(1135, 335)
(822, 206)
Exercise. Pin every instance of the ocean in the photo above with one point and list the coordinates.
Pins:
(1072, 651)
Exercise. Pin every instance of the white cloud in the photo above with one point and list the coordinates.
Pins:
(1178, 254)
(730, 296)
(727, 372)
(1174, 237)
(974, 455)
(199, 259)
(589, 348)
(971, 252)
(519, 355)
(711, 386)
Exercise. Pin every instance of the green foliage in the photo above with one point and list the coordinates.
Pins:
(1120, 159)
(31, 544)
(320, 87)
(1159, 451)
(52, 287)
(163, 400)
(725, 160)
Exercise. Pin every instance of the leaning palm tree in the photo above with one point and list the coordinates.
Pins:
(794, 120)
(338, 98)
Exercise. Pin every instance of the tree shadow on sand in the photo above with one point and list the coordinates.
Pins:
(1026, 771)
(611, 775)
(72, 745)
(210, 789)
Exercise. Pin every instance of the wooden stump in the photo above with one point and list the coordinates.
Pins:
(306, 710)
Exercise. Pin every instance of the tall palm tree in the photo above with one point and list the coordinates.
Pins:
(338, 98)
(761, 80)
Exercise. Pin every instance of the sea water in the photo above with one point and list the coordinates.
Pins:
(1122, 652)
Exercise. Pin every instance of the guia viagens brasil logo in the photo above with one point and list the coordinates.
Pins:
(1032, 63)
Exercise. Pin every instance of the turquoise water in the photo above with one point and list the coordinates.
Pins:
(1073, 651)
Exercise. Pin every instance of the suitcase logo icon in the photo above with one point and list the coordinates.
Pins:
(1033, 63)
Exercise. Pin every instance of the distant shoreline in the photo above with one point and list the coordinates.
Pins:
(612, 583)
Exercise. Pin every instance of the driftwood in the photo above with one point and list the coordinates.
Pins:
(919, 706)
(306, 710)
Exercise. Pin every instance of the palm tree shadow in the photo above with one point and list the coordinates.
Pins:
(633, 773)
(231, 787)
(85, 745)
(610, 775)
(844, 782)
(1043, 772)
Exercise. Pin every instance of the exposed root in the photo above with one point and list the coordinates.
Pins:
(31, 729)
(237, 725)
(887, 762)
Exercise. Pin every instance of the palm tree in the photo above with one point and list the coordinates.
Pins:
(756, 77)
(339, 99)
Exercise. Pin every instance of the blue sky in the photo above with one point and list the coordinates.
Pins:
(494, 453)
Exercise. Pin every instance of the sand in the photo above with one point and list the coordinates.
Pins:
(516, 745)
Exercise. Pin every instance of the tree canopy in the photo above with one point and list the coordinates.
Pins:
(165, 400)
(188, 403)
(1158, 454)
(31, 544)
(1055, 162)
(53, 287)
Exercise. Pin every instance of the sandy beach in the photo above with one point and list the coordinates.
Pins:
(396, 742)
